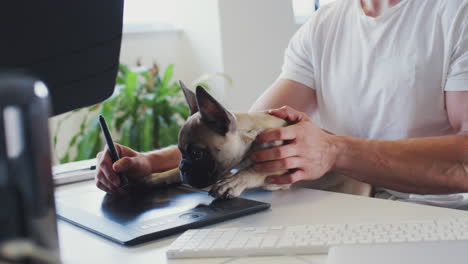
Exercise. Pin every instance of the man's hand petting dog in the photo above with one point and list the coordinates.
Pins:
(133, 164)
(308, 155)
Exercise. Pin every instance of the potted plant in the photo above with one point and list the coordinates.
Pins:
(145, 112)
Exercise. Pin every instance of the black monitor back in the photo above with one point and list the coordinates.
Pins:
(73, 46)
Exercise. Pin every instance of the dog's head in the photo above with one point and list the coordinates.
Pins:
(209, 141)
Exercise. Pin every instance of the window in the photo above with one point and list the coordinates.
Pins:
(303, 9)
(148, 15)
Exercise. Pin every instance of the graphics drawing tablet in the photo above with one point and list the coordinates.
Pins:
(145, 215)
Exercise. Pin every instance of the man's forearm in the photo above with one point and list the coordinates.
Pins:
(420, 165)
(164, 159)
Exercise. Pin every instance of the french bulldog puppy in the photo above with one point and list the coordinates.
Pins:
(216, 145)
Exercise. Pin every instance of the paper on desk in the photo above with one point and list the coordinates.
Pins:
(73, 166)
(74, 171)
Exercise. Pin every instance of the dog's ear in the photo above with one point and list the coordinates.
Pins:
(213, 113)
(190, 98)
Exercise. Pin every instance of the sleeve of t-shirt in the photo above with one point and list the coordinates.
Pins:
(297, 64)
(457, 77)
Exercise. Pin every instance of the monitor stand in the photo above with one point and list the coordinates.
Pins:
(26, 185)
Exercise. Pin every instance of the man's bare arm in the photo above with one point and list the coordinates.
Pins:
(433, 165)
(286, 92)
(134, 164)
(419, 165)
(164, 159)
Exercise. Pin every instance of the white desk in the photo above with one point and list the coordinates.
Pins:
(296, 206)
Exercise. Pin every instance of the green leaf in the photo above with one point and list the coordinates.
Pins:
(108, 112)
(65, 159)
(181, 109)
(147, 138)
(125, 134)
(98, 146)
(146, 75)
(129, 90)
(94, 107)
(168, 75)
(168, 133)
(123, 69)
(148, 100)
(119, 121)
(73, 140)
(86, 144)
(134, 131)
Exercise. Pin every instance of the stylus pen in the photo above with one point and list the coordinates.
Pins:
(112, 151)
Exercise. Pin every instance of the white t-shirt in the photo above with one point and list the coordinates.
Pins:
(384, 77)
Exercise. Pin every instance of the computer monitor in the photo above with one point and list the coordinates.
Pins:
(72, 48)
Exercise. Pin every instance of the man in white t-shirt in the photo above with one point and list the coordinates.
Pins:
(389, 78)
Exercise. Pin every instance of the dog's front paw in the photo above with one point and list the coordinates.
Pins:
(227, 189)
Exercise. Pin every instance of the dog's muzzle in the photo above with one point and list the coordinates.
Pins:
(198, 172)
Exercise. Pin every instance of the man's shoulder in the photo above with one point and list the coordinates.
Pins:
(453, 14)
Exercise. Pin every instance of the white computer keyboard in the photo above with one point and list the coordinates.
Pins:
(309, 239)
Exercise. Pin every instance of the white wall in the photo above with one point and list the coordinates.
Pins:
(254, 37)
(242, 38)
(149, 47)
(195, 49)
(202, 49)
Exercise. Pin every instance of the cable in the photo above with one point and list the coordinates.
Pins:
(19, 249)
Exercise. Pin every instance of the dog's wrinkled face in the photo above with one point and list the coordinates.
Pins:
(208, 140)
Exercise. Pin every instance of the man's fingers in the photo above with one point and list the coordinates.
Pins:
(100, 177)
(104, 185)
(287, 178)
(123, 164)
(99, 156)
(282, 133)
(121, 150)
(103, 157)
(281, 152)
(288, 113)
(110, 175)
(277, 165)
(107, 178)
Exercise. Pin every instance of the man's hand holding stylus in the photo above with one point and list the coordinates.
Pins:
(131, 163)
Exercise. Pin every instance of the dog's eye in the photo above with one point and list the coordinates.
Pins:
(197, 154)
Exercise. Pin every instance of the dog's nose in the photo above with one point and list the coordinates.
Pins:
(195, 176)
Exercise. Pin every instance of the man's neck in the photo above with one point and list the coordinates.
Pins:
(375, 8)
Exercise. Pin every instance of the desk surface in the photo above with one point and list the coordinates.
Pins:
(295, 206)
